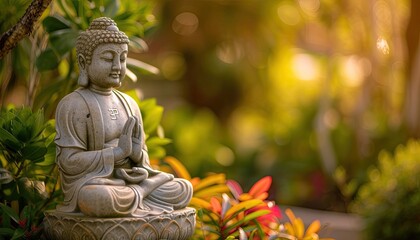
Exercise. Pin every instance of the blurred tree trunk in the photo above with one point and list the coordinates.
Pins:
(412, 104)
(24, 27)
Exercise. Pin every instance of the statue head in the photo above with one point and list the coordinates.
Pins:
(101, 48)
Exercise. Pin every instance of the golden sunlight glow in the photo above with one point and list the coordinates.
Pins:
(382, 46)
(229, 52)
(288, 14)
(355, 70)
(310, 7)
(185, 23)
(305, 67)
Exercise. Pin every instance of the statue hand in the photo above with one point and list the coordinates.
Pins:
(125, 145)
(137, 138)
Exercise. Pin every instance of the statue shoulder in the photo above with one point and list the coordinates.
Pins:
(72, 102)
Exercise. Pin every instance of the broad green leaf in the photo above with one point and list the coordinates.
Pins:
(54, 23)
(34, 152)
(111, 8)
(9, 141)
(247, 219)
(138, 45)
(47, 60)
(157, 141)
(142, 66)
(151, 120)
(19, 232)
(63, 40)
(6, 232)
(157, 152)
(9, 212)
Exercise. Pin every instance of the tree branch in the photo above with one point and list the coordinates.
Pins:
(24, 27)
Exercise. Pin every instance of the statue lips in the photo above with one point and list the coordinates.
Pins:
(115, 75)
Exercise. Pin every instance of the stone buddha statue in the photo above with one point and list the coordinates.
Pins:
(101, 153)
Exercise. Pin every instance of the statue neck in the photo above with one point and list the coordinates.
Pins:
(100, 90)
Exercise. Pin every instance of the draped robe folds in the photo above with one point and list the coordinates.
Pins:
(83, 156)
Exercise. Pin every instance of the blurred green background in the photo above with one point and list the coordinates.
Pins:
(307, 91)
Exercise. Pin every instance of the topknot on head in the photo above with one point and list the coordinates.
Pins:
(103, 23)
(101, 30)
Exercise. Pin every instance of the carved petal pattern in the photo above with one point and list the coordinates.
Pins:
(178, 225)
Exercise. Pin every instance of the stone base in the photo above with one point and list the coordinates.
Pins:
(177, 225)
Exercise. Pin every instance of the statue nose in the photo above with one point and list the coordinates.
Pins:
(116, 65)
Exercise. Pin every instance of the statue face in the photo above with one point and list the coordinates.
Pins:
(108, 65)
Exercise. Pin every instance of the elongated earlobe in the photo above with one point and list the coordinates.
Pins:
(83, 80)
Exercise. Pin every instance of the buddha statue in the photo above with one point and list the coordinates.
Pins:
(101, 153)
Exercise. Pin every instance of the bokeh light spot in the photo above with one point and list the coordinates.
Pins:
(185, 23)
(225, 156)
(382, 46)
(229, 52)
(305, 67)
(288, 14)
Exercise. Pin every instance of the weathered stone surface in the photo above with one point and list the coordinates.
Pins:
(110, 189)
(177, 225)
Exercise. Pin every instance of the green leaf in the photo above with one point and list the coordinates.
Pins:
(111, 8)
(34, 152)
(234, 210)
(10, 141)
(151, 119)
(157, 141)
(138, 45)
(63, 41)
(54, 23)
(19, 232)
(47, 60)
(156, 152)
(142, 66)
(6, 232)
(246, 219)
(9, 212)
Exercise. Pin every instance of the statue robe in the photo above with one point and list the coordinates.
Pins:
(83, 156)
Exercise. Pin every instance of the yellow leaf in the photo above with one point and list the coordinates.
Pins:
(200, 203)
(195, 181)
(211, 180)
(245, 197)
(241, 206)
(299, 227)
(313, 228)
(313, 236)
(289, 229)
(177, 166)
(290, 215)
(211, 191)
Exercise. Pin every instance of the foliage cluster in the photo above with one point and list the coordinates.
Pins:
(28, 174)
(390, 200)
(225, 211)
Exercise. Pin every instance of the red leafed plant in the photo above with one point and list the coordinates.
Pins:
(225, 211)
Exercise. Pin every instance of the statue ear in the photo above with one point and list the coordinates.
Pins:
(83, 76)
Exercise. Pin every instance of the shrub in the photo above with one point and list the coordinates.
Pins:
(390, 200)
